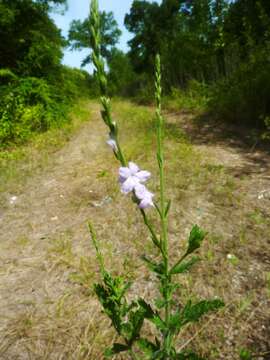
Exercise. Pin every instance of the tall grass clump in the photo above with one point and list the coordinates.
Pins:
(166, 313)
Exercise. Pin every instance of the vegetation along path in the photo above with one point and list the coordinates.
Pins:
(48, 266)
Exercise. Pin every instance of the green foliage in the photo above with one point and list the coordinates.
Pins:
(35, 89)
(217, 49)
(245, 354)
(30, 42)
(184, 266)
(121, 76)
(244, 97)
(193, 312)
(195, 239)
(31, 104)
(194, 97)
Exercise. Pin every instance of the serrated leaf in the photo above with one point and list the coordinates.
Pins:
(183, 267)
(196, 237)
(192, 313)
(175, 322)
(136, 320)
(111, 296)
(115, 349)
(148, 311)
(160, 324)
(153, 266)
(147, 346)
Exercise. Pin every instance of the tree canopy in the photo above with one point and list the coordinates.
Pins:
(80, 36)
(30, 42)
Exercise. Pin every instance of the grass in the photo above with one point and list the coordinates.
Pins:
(64, 318)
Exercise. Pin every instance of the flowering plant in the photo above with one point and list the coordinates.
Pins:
(168, 316)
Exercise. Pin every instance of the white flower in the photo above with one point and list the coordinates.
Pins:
(144, 195)
(131, 176)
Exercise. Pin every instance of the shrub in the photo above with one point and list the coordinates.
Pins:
(32, 104)
(194, 97)
(244, 97)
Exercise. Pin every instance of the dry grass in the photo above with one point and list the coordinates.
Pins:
(48, 265)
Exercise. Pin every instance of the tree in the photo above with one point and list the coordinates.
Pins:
(80, 36)
(143, 21)
(30, 42)
(121, 75)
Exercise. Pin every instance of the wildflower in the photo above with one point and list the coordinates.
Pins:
(144, 196)
(112, 143)
(131, 176)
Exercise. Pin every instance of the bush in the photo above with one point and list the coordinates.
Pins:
(194, 97)
(26, 105)
(244, 97)
(31, 104)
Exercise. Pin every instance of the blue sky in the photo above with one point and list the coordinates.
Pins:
(79, 9)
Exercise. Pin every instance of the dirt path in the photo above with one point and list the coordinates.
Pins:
(52, 205)
(230, 147)
(44, 238)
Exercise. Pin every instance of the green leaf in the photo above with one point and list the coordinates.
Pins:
(147, 346)
(148, 311)
(168, 208)
(245, 354)
(116, 349)
(196, 237)
(159, 159)
(192, 313)
(183, 267)
(175, 322)
(153, 266)
(136, 319)
(160, 324)
(111, 296)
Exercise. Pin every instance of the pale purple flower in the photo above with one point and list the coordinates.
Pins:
(131, 176)
(112, 143)
(144, 195)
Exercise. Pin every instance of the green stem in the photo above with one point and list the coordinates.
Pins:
(120, 154)
(163, 215)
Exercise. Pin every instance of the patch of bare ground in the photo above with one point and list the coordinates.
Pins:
(48, 265)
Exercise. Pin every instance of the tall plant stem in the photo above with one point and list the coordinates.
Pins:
(163, 210)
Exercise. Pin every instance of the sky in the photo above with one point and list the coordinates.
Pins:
(79, 9)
